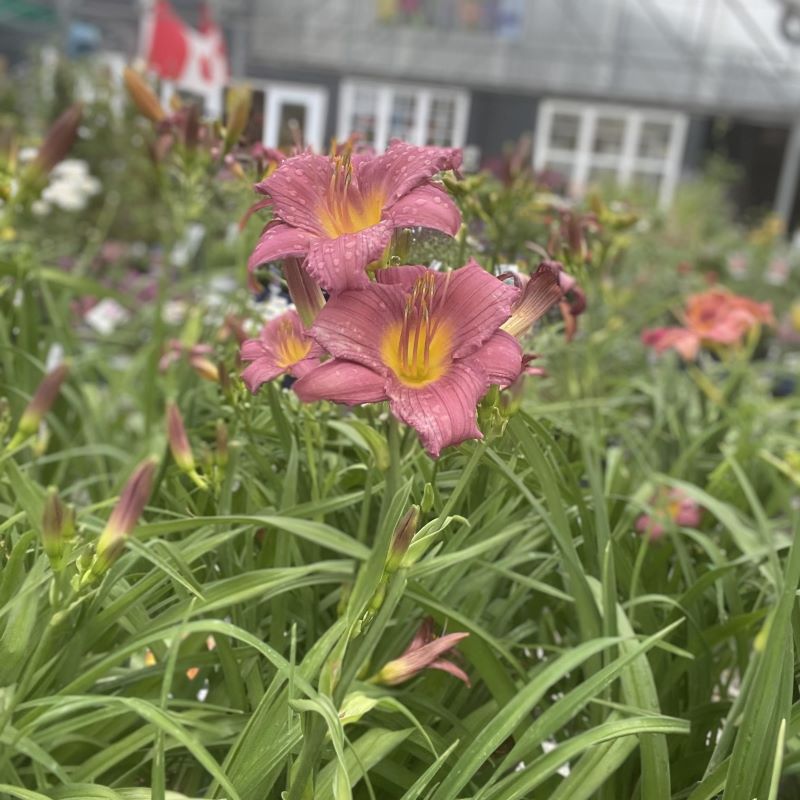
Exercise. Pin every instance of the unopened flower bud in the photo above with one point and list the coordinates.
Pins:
(221, 455)
(144, 98)
(204, 367)
(401, 539)
(58, 141)
(426, 651)
(239, 102)
(125, 515)
(304, 291)
(428, 498)
(42, 401)
(178, 440)
(58, 528)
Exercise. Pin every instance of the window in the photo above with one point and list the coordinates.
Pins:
(418, 114)
(598, 144)
(283, 114)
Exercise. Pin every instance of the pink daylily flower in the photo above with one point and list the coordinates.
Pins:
(339, 212)
(428, 342)
(716, 317)
(284, 345)
(669, 506)
(424, 652)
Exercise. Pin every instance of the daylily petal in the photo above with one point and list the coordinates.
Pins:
(338, 264)
(442, 412)
(261, 371)
(297, 188)
(257, 206)
(403, 167)
(253, 349)
(283, 345)
(686, 342)
(426, 206)
(351, 325)
(501, 359)
(452, 669)
(477, 304)
(540, 292)
(302, 368)
(405, 276)
(277, 241)
(341, 382)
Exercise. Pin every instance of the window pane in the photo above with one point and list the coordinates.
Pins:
(564, 131)
(604, 176)
(363, 120)
(403, 115)
(647, 183)
(609, 133)
(556, 175)
(441, 122)
(291, 130)
(654, 139)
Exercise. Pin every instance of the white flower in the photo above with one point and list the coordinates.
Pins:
(70, 168)
(106, 316)
(65, 196)
(70, 186)
(55, 356)
(174, 312)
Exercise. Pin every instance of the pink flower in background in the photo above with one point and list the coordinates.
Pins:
(670, 506)
(715, 317)
(428, 342)
(196, 355)
(283, 346)
(424, 652)
(338, 212)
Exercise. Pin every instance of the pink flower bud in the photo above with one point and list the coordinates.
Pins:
(204, 367)
(304, 291)
(401, 539)
(125, 515)
(424, 652)
(42, 401)
(58, 528)
(178, 440)
(59, 140)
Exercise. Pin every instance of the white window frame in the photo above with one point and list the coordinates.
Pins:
(385, 94)
(315, 100)
(313, 97)
(627, 162)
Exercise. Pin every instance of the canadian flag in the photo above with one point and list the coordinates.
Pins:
(193, 60)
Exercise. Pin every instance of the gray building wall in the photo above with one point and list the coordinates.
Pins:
(714, 56)
(495, 119)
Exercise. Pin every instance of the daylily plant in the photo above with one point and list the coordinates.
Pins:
(713, 318)
(431, 343)
(338, 212)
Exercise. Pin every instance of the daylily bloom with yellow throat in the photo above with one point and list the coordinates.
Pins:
(429, 342)
(283, 346)
(339, 212)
